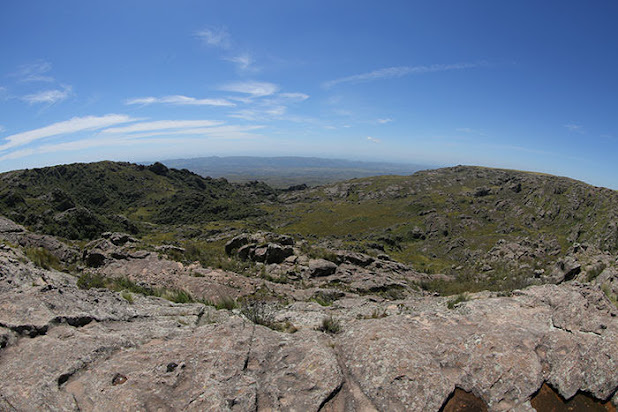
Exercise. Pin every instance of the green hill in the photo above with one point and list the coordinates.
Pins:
(463, 221)
(79, 201)
(487, 228)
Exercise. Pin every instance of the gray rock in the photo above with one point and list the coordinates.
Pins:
(482, 191)
(321, 267)
(119, 239)
(17, 234)
(236, 242)
(63, 348)
(354, 258)
(259, 254)
(244, 252)
(8, 226)
(277, 254)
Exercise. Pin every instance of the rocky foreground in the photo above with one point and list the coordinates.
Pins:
(67, 348)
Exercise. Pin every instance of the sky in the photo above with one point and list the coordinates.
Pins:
(528, 85)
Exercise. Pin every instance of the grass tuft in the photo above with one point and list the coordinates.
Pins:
(330, 325)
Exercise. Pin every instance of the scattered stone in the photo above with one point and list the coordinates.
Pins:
(482, 191)
(118, 379)
(321, 267)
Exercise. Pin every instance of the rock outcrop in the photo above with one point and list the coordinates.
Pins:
(65, 348)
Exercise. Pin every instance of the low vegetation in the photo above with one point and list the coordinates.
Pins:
(42, 258)
(330, 325)
(457, 300)
(485, 229)
(126, 287)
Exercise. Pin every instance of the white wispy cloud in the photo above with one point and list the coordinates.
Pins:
(400, 71)
(172, 138)
(161, 125)
(272, 107)
(572, 127)
(48, 96)
(293, 97)
(34, 72)
(221, 132)
(384, 121)
(254, 89)
(76, 124)
(261, 113)
(215, 36)
(373, 139)
(243, 61)
(180, 100)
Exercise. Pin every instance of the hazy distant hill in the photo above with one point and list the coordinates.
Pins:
(292, 170)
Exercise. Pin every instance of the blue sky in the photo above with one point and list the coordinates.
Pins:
(525, 85)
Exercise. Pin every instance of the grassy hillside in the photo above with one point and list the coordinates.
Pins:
(82, 200)
(487, 228)
(461, 220)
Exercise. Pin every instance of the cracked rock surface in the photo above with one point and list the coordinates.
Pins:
(67, 349)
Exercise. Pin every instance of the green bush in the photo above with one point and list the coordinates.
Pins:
(126, 286)
(330, 325)
(127, 296)
(458, 299)
(226, 302)
(595, 271)
(325, 298)
(178, 296)
(42, 258)
(89, 281)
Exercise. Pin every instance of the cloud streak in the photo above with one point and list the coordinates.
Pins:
(49, 97)
(373, 139)
(187, 137)
(76, 124)
(34, 72)
(179, 100)
(161, 125)
(215, 37)
(399, 71)
(243, 61)
(254, 89)
(221, 132)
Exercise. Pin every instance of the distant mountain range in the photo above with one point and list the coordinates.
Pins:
(281, 172)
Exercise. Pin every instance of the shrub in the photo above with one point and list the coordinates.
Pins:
(178, 296)
(127, 296)
(458, 299)
(608, 292)
(325, 298)
(42, 258)
(126, 286)
(90, 280)
(595, 271)
(330, 325)
(226, 302)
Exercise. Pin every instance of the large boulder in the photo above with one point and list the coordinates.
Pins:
(236, 243)
(321, 267)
